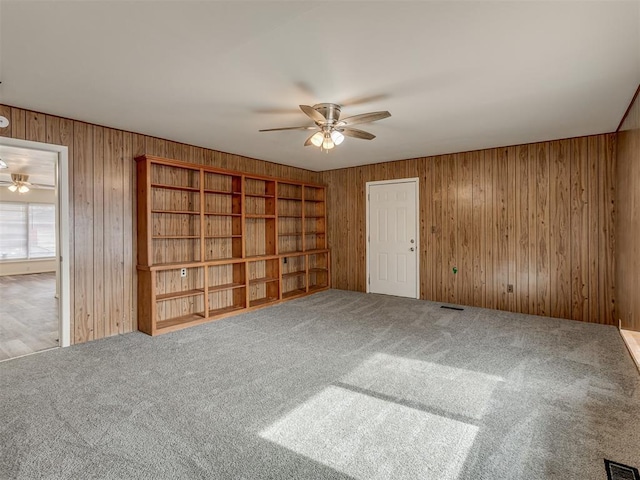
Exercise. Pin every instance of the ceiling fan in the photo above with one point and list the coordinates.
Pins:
(332, 130)
(20, 183)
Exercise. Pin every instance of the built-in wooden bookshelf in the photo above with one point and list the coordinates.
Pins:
(212, 243)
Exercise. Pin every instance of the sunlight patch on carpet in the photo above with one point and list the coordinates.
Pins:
(370, 438)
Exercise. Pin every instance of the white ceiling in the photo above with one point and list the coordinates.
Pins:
(38, 164)
(456, 76)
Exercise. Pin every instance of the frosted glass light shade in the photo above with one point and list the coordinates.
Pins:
(13, 188)
(23, 189)
(327, 143)
(317, 139)
(337, 137)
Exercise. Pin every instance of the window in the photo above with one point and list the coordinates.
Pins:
(27, 230)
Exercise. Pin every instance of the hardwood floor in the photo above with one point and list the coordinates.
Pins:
(28, 314)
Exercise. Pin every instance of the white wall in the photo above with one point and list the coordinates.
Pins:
(29, 266)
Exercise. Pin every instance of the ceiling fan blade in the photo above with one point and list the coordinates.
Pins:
(313, 114)
(287, 128)
(363, 118)
(308, 141)
(355, 133)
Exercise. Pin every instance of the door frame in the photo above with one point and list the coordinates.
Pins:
(415, 180)
(63, 259)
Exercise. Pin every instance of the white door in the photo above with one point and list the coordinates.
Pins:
(393, 247)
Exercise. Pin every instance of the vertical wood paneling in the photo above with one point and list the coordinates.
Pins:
(593, 159)
(98, 228)
(521, 215)
(102, 189)
(35, 127)
(465, 236)
(427, 259)
(438, 228)
(512, 197)
(490, 232)
(450, 232)
(579, 229)
(559, 230)
(18, 123)
(113, 231)
(606, 222)
(521, 219)
(479, 226)
(83, 233)
(627, 220)
(543, 306)
(128, 180)
(533, 230)
(501, 231)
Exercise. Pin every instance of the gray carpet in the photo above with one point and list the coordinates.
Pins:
(336, 385)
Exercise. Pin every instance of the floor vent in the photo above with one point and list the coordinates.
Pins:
(618, 471)
(451, 308)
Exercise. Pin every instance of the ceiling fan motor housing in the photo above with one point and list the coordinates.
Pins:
(330, 111)
(19, 177)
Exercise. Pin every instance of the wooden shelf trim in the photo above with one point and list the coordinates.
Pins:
(226, 286)
(263, 301)
(257, 281)
(175, 187)
(223, 214)
(220, 192)
(298, 292)
(176, 237)
(178, 212)
(258, 215)
(294, 274)
(181, 294)
(221, 311)
(259, 195)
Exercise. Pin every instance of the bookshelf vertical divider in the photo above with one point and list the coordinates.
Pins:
(213, 243)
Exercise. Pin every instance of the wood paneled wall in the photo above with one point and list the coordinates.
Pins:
(102, 193)
(539, 217)
(628, 220)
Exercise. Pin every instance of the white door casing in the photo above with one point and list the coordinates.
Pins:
(392, 238)
(62, 227)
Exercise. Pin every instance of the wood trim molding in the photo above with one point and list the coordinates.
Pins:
(626, 113)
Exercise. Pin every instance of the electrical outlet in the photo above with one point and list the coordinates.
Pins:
(183, 272)
(509, 288)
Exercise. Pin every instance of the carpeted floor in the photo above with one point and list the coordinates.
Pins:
(336, 385)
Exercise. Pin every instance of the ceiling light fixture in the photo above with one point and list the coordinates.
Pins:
(326, 117)
(3, 164)
(20, 183)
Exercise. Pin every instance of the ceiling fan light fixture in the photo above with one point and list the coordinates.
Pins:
(23, 189)
(337, 137)
(317, 139)
(12, 188)
(327, 143)
(3, 164)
